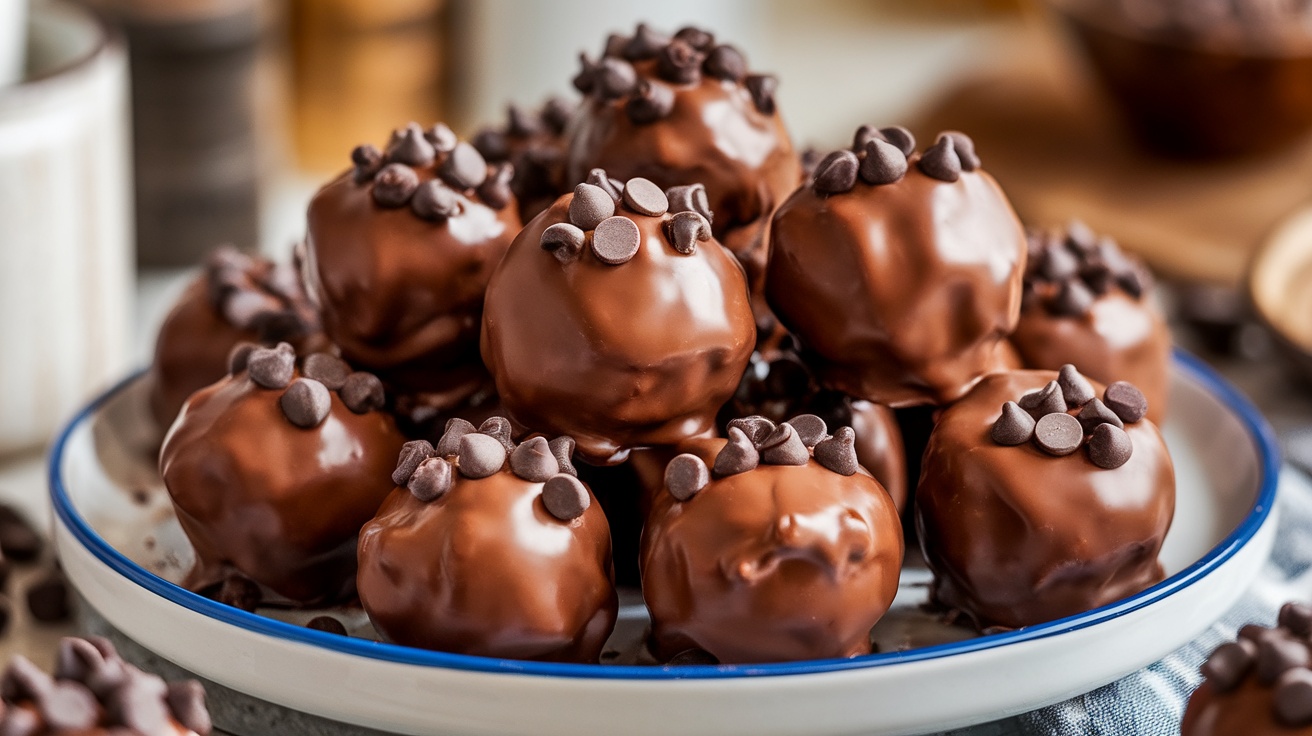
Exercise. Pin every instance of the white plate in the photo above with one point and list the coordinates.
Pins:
(122, 549)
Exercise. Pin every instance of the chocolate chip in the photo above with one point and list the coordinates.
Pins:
(644, 44)
(1014, 426)
(644, 197)
(940, 161)
(363, 392)
(565, 497)
(726, 62)
(464, 167)
(492, 143)
(685, 476)
(495, 190)
(435, 202)
(652, 102)
(614, 78)
(1058, 434)
(810, 428)
(784, 447)
(590, 206)
(68, 707)
(368, 160)
(499, 428)
(1229, 663)
(1044, 401)
(186, 699)
(271, 367)
(1293, 698)
(564, 241)
(838, 453)
(1276, 654)
(237, 357)
(615, 43)
(306, 403)
(326, 624)
(449, 443)
(883, 164)
(836, 173)
(1126, 400)
(686, 229)
(442, 137)
(563, 448)
(690, 198)
(1296, 618)
(586, 80)
(1058, 264)
(965, 148)
(900, 137)
(615, 240)
(1109, 447)
(738, 456)
(598, 178)
(556, 113)
(411, 148)
(1131, 282)
(1095, 413)
(480, 455)
(239, 591)
(21, 722)
(521, 124)
(1075, 388)
(533, 461)
(23, 680)
(755, 427)
(1074, 299)
(242, 308)
(395, 185)
(432, 479)
(696, 37)
(762, 88)
(327, 369)
(1252, 632)
(139, 704)
(412, 454)
(680, 63)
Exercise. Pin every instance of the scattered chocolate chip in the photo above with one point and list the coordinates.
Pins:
(435, 202)
(556, 113)
(368, 160)
(901, 139)
(586, 80)
(186, 699)
(1095, 413)
(1044, 401)
(810, 428)
(652, 102)
(564, 241)
(784, 447)
(1293, 698)
(836, 173)
(1014, 427)
(1058, 434)
(1229, 664)
(838, 453)
(138, 704)
(690, 198)
(599, 179)
(327, 624)
(395, 185)
(521, 124)
(1276, 654)
(1109, 447)
(696, 37)
(271, 367)
(363, 392)
(449, 443)
(1126, 400)
(590, 206)
(411, 148)
(1080, 237)
(464, 167)
(237, 357)
(644, 197)
(1131, 282)
(644, 44)
(1074, 299)
(533, 461)
(563, 448)
(940, 161)
(762, 88)
(327, 369)
(614, 78)
(1058, 264)
(495, 190)
(442, 137)
(565, 497)
(686, 229)
(306, 403)
(680, 63)
(883, 164)
(1296, 618)
(1252, 632)
(685, 476)
(726, 62)
(499, 427)
(432, 479)
(492, 143)
(755, 427)
(615, 240)
(237, 591)
(412, 454)
(68, 706)
(965, 148)
(480, 455)
(738, 456)
(1075, 388)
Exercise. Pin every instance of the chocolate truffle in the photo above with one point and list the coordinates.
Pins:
(1088, 303)
(1043, 495)
(400, 251)
(534, 142)
(274, 469)
(93, 693)
(772, 545)
(616, 318)
(490, 548)
(236, 298)
(1259, 685)
(899, 272)
(685, 110)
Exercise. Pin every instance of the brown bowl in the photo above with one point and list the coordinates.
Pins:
(1279, 286)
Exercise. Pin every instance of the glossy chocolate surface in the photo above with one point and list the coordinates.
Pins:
(1246, 710)
(1018, 537)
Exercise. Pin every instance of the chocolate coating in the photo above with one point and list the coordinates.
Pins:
(1244, 711)
(1018, 537)
(617, 356)
(902, 292)
(777, 563)
(279, 504)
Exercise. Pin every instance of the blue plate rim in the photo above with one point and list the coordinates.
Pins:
(1259, 431)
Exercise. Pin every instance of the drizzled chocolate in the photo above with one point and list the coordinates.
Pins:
(490, 547)
(534, 142)
(618, 328)
(1031, 532)
(901, 291)
(772, 545)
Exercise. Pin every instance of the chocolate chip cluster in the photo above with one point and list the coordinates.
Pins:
(92, 689)
(460, 169)
(1099, 426)
(682, 59)
(597, 219)
(477, 452)
(1278, 657)
(268, 301)
(521, 125)
(755, 440)
(881, 156)
(1067, 271)
(306, 401)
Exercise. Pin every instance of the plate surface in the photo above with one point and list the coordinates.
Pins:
(123, 549)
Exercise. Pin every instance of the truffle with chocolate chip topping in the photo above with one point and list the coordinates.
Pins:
(533, 143)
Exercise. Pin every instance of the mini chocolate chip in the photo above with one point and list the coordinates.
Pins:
(412, 454)
(1109, 447)
(368, 160)
(613, 187)
(138, 704)
(480, 455)
(685, 475)
(242, 308)
(1044, 401)
(492, 143)
(1014, 426)
(738, 456)
(900, 137)
(614, 78)
(449, 443)
(432, 479)
(1126, 400)
(1058, 264)
(563, 448)
(412, 148)
(680, 63)
(327, 369)
(533, 461)
(762, 88)
(434, 201)
(644, 44)
(68, 706)
(690, 198)
(1293, 698)
(686, 229)
(615, 43)
(186, 699)
(810, 428)
(270, 367)
(442, 137)
(836, 173)
(464, 167)
(1095, 413)
(615, 240)
(940, 161)
(1296, 618)
(652, 102)
(556, 113)
(1074, 299)
(395, 185)
(1226, 667)
(564, 241)
(644, 197)
(239, 591)
(326, 624)
(838, 453)
(565, 497)
(1276, 654)
(726, 62)
(755, 427)
(586, 79)
(306, 403)
(590, 206)
(363, 392)
(499, 427)
(883, 164)
(495, 190)
(1075, 388)
(965, 148)
(521, 124)
(696, 37)
(238, 356)
(1058, 434)
(19, 541)
(784, 447)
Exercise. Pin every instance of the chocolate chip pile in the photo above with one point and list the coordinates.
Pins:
(1099, 426)
(478, 452)
(459, 167)
(269, 301)
(880, 156)
(1067, 271)
(597, 220)
(306, 401)
(1279, 658)
(625, 71)
(93, 688)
